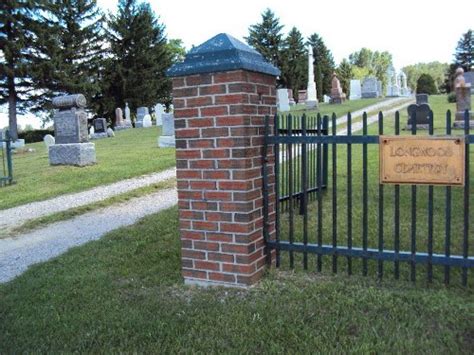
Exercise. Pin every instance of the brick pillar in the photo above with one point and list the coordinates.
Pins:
(219, 122)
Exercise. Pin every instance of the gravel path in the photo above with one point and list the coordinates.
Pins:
(17, 254)
(18, 215)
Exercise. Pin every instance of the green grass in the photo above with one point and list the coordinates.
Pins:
(73, 212)
(439, 105)
(124, 293)
(131, 153)
(339, 110)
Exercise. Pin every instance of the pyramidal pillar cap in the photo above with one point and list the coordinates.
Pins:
(222, 53)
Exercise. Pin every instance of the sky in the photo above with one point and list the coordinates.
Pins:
(412, 30)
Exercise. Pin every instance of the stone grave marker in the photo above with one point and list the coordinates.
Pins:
(141, 113)
(355, 90)
(369, 88)
(463, 100)
(326, 99)
(302, 96)
(48, 140)
(147, 123)
(110, 132)
(159, 110)
(311, 93)
(127, 113)
(421, 99)
(72, 145)
(422, 115)
(100, 128)
(337, 96)
(167, 138)
(282, 100)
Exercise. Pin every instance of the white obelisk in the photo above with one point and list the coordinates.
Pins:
(312, 98)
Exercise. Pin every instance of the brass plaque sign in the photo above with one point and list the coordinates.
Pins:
(422, 160)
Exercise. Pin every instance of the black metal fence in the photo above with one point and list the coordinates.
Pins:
(353, 221)
(6, 172)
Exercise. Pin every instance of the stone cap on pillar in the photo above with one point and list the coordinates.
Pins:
(222, 53)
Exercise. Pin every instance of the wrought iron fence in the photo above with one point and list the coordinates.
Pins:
(6, 173)
(354, 221)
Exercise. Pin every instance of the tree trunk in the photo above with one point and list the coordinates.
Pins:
(13, 128)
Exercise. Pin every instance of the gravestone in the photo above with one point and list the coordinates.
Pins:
(119, 117)
(127, 113)
(326, 99)
(70, 130)
(110, 132)
(369, 88)
(291, 99)
(404, 90)
(421, 114)
(147, 123)
(355, 90)
(159, 110)
(311, 94)
(463, 100)
(282, 100)
(141, 113)
(337, 96)
(421, 99)
(393, 85)
(48, 140)
(167, 138)
(302, 96)
(100, 128)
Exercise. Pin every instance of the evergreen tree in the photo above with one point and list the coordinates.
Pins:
(295, 62)
(426, 85)
(71, 48)
(139, 59)
(344, 74)
(464, 56)
(323, 65)
(16, 31)
(267, 39)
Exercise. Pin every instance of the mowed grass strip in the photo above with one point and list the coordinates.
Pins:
(131, 153)
(73, 212)
(124, 293)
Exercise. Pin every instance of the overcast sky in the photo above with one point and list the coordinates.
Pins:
(412, 30)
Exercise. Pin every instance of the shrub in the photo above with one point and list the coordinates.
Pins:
(35, 135)
(452, 97)
(426, 85)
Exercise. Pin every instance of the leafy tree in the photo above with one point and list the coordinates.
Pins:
(139, 58)
(376, 63)
(464, 55)
(16, 32)
(267, 39)
(323, 65)
(426, 85)
(177, 50)
(70, 48)
(435, 69)
(295, 59)
(344, 74)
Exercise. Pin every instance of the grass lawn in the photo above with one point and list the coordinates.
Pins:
(131, 153)
(339, 110)
(439, 106)
(124, 293)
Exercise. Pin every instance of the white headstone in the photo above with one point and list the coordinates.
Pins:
(327, 99)
(355, 90)
(110, 132)
(92, 130)
(127, 113)
(49, 140)
(159, 110)
(147, 121)
(282, 98)
(370, 88)
(167, 138)
(311, 98)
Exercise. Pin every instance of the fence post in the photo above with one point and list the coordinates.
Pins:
(220, 107)
(9, 156)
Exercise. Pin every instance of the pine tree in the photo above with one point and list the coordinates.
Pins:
(139, 59)
(323, 65)
(71, 49)
(295, 62)
(267, 39)
(464, 56)
(16, 31)
(344, 74)
(426, 85)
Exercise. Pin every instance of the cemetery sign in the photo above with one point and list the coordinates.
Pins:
(422, 160)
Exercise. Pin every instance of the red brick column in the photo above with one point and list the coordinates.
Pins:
(219, 121)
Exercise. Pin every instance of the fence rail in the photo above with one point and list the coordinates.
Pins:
(352, 217)
(6, 172)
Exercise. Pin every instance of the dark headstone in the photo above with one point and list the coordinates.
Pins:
(421, 114)
(421, 99)
(100, 125)
(70, 119)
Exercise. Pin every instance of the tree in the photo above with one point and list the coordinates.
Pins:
(16, 31)
(376, 63)
(323, 65)
(139, 58)
(464, 55)
(344, 74)
(426, 85)
(295, 67)
(177, 50)
(267, 38)
(70, 47)
(435, 69)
